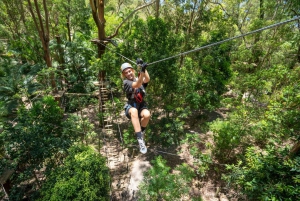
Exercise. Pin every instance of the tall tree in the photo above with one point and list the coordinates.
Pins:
(42, 27)
(99, 18)
(256, 50)
(102, 40)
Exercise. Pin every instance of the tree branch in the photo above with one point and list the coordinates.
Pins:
(294, 150)
(40, 20)
(92, 5)
(34, 19)
(94, 13)
(222, 8)
(46, 18)
(23, 15)
(135, 10)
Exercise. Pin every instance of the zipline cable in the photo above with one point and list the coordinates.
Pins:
(133, 62)
(232, 38)
(209, 45)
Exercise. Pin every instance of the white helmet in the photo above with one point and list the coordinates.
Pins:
(125, 65)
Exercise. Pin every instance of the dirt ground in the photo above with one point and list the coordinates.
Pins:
(209, 187)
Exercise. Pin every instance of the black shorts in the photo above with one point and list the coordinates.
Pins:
(138, 106)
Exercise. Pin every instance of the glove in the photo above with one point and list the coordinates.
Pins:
(144, 66)
(139, 61)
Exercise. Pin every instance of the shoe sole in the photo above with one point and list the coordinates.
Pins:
(144, 151)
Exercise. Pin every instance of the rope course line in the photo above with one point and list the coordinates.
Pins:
(212, 44)
(133, 62)
(228, 39)
(155, 150)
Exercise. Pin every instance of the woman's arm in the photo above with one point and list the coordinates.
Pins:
(146, 77)
(138, 83)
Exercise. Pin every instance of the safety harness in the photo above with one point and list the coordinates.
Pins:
(138, 95)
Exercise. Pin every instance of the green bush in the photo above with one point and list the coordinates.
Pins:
(201, 160)
(167, 131)
(266, 175)
(129, 136)
(227, 136)
(160, 184)
(37, 140)
(83, 176)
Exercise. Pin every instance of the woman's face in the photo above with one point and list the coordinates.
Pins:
(128, 73)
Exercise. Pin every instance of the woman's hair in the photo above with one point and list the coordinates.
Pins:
(123, 76)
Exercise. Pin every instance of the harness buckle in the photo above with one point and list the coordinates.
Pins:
(138, 96)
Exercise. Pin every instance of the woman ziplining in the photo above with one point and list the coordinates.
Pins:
(136, 107)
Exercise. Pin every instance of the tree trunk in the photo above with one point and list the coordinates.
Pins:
(61, 61)
(98, 15)
(157, 9)
(37, 180)
(256, 50)
(68, 22)
(298, 56)
(189, 29)
(101, 35)
(43, 34)
(295, 149)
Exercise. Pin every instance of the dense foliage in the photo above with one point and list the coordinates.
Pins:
(84, 176)
(37, 139)
(159, 184)
(266, 176)
(52, 52)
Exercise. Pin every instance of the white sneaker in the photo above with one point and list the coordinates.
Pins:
(143, 148)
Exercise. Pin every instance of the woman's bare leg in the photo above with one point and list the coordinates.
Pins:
(145, 114)
(133, 112)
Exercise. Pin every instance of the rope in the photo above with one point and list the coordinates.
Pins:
(133, 62)
(209, 45)
(155, 150)
(223, 41)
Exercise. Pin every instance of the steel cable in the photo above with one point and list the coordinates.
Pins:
(209, 45)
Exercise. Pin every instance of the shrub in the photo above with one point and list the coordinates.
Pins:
(266, 176)
(84, 176)
(160, 184)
